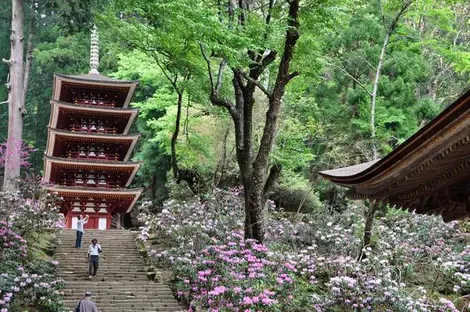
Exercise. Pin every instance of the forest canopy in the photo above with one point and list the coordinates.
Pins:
(241, 104)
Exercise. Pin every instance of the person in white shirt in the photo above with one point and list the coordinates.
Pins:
(80, 230)
(93, 257)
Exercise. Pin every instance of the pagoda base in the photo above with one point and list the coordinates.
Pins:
(97, 220)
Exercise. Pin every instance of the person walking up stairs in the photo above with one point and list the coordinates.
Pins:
(121, 284)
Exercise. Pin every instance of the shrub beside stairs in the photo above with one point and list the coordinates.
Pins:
(121, 284)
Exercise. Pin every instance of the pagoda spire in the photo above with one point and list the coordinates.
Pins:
(94, 51)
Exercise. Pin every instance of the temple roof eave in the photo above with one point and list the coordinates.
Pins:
(93, 192)
(49, 161)
(94, 135)
(347, 172)
(96, 78)
(56, 105)
(52, 132)
(428, 174)
(453, 114)
(117, 110)
(97, 162)
(89, 190)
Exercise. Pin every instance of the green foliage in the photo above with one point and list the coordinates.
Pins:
(325, 118)
(290, 150)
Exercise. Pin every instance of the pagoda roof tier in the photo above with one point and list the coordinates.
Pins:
(53, 166)
(96, 78)
(64, 85)
(58, 138)
(125, 199)
(429, 173)
(61, 110)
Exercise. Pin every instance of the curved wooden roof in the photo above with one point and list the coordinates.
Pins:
(90, 137)
(97, 78)
(110, 166)
(428, 173)
(96, 81)
(94, 110)
(68, 192)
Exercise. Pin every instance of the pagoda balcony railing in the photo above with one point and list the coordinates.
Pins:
(92, 102)
(93, 129)
(93, 155)
(91, 183)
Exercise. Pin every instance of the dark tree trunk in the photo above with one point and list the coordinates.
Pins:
(371, 212)
(152, 187)
(254, 166)
(174, 138)
(194, 180)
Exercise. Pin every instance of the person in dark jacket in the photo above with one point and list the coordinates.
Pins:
(86, 305)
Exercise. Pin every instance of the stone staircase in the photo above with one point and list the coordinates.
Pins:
(121, 284)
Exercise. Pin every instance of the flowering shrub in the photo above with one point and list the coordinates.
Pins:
(236, 276)
(28, 278)
(308, 263)
(31, 214)
(39, 291)
(191, 226)
(25, 153)
(12, 245)
(459, 266)
(18, 287)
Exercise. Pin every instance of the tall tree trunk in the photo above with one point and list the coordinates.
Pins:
(370, 214)
(16, 99)
(254, 168)
(366, 240)
(260, 182)
(374, 97)
(389, 32)
(174, 137)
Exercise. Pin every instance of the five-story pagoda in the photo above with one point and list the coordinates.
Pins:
(88, 149)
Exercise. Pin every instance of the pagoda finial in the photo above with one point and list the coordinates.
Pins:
(94, 51)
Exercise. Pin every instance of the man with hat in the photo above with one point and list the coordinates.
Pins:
(86, 305)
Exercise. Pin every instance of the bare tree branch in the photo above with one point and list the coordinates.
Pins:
(257, 68)
(174, 80)
(292, 76)
(352, 77)
(222, 64)
(367, 61)
(257, 83)
(214, 97)
(270, 12)
(209, 70)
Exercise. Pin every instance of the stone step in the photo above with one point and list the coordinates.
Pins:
(121, 284)
(146, 292)
(138, 289)
(129, 306)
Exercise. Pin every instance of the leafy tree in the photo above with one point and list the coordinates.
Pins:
(247, 40)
